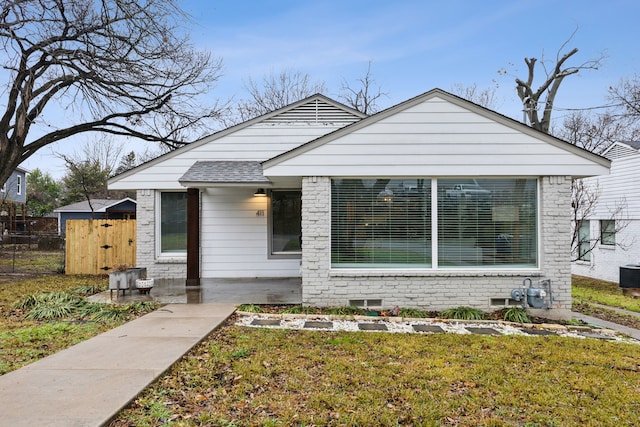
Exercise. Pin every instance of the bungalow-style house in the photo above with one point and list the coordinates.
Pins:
(610, 233)
(433, 203)
(95, 209)
(13, 200)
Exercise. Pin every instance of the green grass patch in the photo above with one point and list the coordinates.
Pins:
(42, 316)
(246, 377)
(587, 290)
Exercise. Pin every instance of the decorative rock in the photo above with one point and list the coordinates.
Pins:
(318, 325)
(482, 331)
(428, 328)
(372, 327)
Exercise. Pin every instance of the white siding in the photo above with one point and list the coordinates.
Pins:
(606, 260)
(620, 188)
(258, 143)
(234, 237)
(435, 138)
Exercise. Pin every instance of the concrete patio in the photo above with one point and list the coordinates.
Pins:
(217, 291)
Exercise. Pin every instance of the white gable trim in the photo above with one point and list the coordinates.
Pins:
(485, 124)
(319, 99)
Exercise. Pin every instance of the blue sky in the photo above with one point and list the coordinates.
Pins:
(414, 46)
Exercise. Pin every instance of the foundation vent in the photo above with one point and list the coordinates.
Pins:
(365, 303)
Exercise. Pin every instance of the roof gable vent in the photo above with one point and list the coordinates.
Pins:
(314, 112)
(619, 150)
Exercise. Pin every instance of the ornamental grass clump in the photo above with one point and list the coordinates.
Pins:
(463, 313)
(516, 315)
(49, 306)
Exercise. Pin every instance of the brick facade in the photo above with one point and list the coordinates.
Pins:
(165, 267)
(431, 290)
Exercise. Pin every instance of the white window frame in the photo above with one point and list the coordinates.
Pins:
(611, 233)
(586, 256)
(435, 243)
(279, 254)
(164, 256)
(19, 185)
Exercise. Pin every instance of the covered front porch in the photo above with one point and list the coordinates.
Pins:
(230, 291)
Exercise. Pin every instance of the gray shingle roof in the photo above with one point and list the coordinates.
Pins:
(225, 172)
(99, 205)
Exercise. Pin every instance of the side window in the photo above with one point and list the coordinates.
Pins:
(285, 223)
(173, 222)
(19, 188)
(608, 232)
(584, 240)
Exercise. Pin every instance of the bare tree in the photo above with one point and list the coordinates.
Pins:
(115, 66)
(485, 97)
(538, 103)
(584, 204)
(626, 96)
(276, 91)
(363, 97)
(88, 170)
(594, 133)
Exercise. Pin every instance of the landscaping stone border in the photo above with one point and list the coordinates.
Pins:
(422, 326)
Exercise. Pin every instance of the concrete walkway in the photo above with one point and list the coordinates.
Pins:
(633, 333)
(89, 383)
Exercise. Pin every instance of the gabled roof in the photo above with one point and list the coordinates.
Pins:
(99, 205)
(224, 173)
(482, 111)
(296, 111)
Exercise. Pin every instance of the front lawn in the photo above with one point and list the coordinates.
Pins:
(273, 377)
(587, 293)
(24, 340)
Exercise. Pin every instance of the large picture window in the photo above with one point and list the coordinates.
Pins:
(387, 223)
(173, 222)
(487, 222)
(286, 222)
(381, 223)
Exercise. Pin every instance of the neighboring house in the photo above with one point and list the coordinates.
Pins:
(610, 235)
(357, 206)
(13, 200)
(97, 209)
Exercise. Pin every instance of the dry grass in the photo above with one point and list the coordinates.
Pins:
(247, 376)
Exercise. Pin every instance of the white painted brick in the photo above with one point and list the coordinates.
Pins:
(436, 291)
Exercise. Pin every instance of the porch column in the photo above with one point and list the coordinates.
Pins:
(193, 237)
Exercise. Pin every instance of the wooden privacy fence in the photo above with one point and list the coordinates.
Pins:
(97, 246)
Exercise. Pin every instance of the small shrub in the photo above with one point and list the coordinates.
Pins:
(28, 301)
(88, 290)
(52, 306)
(345, 311)
(413, 312)
(240, 353)
(300, 309)
(516, 314)
(250, 308)
(109, 312)
(463, 313)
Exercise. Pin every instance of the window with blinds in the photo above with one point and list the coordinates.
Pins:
(487, 222)
(387, 223)
(381, 223)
